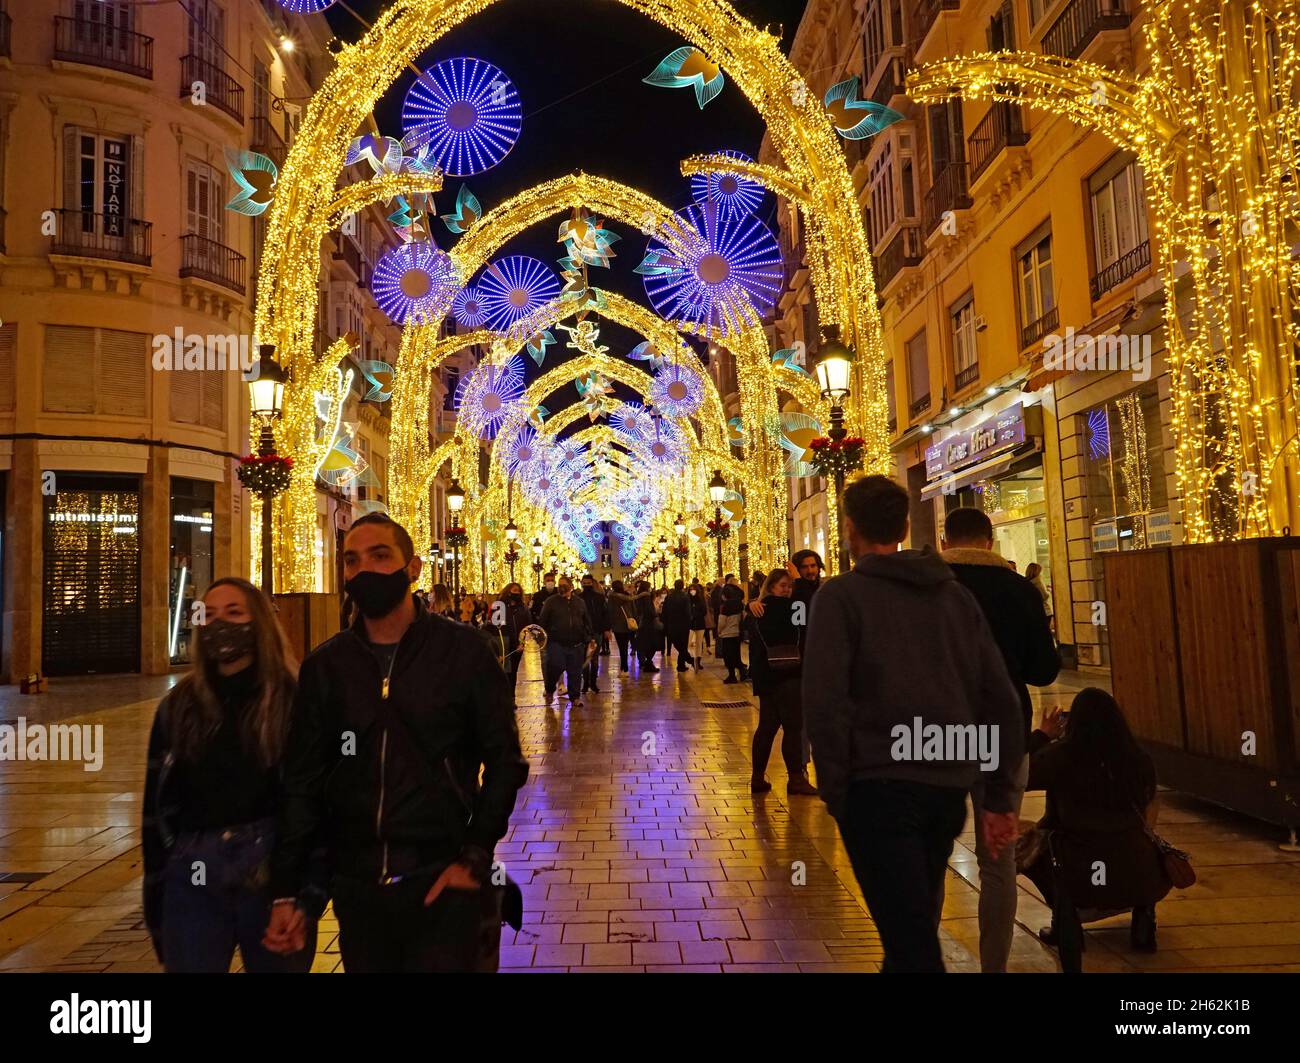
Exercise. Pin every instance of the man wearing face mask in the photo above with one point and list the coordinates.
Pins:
(539, 599)
(569, 636)
(394, 719)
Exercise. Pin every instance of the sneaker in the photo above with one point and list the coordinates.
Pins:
(801, 787)
(682, 668)
(594, 689)
(759, 786)
(731, 679)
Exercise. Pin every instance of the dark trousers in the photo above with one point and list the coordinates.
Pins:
(680, 638)
(568, 660)
(388, 929)
(781, 709)
(624, 640)
(215, 899)
(591, 672)
(730, 650)
(899, 836)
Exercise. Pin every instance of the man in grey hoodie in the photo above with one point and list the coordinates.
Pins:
(908, 704)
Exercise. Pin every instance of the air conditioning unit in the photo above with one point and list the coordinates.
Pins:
(981, 323)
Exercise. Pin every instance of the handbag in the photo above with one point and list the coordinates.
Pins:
(1176, 863)
(631, 621)
(1031, 847)
(783, 657)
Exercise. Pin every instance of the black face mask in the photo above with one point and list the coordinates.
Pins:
(225, 641)
(378, 593)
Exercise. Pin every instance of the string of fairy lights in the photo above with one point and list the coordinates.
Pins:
(1215, 122)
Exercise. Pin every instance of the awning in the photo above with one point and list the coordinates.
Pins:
(981, 471)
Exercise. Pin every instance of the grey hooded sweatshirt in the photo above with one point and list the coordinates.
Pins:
(902, 679)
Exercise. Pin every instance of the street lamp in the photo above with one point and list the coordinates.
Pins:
(834, 377)
(512, 555)
(718, 495)
(267, 477)
(455, 503)
(537, 562)
(679, 526)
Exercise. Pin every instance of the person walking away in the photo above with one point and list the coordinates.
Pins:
(775, 665)
(677, 623)
(710, 616)
(598, 610)
(1014, 611)
(622, 620)
(699, 627)
(569, 636)
(649, 636)
(729, 623)
(908, 703)
(395, 721)
(1101, 803)
(507, 619)
(212, 787)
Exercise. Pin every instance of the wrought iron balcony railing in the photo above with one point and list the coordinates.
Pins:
(1003, 127)
(83, 40)
(268, 142)
(86, 234)
(950, 191)
(210, 261)
(1036, 330)
(220, 90)
(1080, 23)
(926, 13)
(905, 249)
(1121, 269)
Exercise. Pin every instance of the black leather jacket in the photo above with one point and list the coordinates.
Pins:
(383, 771)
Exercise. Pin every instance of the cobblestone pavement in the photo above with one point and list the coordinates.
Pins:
(638, 844)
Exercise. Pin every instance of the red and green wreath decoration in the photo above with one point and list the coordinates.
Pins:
(457, 537)
(718, 529)
(512, 556)
(837, 456)
(265, 474)
(681, 552)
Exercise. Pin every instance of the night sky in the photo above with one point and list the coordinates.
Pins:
(578, 65)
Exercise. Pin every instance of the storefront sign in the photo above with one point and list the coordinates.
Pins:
(1000, 432)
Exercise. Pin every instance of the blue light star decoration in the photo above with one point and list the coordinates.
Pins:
(646, 351)
(516, 288)
(536, 347)
(485, 398)
(465, 113)
(633, 419)
(734, 193)
(379, 375)
(688, 67)
(255, 176)
(726, 270)
(786, 359)
(521, 449)
(677, 391)
(468, 307)
(854, 118)
(415, 282)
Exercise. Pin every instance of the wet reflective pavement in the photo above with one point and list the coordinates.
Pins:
(638, 846)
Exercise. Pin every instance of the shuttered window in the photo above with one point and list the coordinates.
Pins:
(185, 396)
(95, 371)
(8, 355)
(198, 397)
(214, 399)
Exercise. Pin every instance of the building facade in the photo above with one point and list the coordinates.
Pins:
(1021, 318)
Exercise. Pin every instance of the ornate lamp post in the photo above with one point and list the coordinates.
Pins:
(679, 526)
(456, 534)
(537, 562)
(512, 555)
(834, 377)
(266, 474)
(718, 495)
(435, 559)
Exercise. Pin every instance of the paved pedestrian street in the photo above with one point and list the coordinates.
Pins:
(638, 846)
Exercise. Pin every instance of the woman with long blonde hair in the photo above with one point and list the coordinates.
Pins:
(213, 787)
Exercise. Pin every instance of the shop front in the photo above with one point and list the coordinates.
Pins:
(192, 505)
(996, 465)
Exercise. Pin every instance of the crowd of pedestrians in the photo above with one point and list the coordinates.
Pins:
(381, 773)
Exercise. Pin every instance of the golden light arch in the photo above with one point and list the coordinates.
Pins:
(816, 176)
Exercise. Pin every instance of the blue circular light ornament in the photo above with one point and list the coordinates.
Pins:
(486, 396)
(715, 271)
(415, 282)
(514, 289)
(464, 114)
(468, 307)
(307, 7)
(677, 390)
(733, 193)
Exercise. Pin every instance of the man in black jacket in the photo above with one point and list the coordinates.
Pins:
(908, 704)
(1014, 610)
(676, 616)
(598, 612)
(569, 636)
(394, 719)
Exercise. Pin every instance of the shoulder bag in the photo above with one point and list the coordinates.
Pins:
(782, 657)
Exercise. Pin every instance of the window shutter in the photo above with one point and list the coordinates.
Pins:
(122, 376)
(66, 384)
(71, 168)
(135, 175)
(8, 355)
(185, 397)
(214, 398)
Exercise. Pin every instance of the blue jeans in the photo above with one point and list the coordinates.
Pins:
(216, 897)
(561, 658)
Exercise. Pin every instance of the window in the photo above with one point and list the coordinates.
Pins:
(965, 351)
(95, 371)
(884, 210)
(207, 32)
(261, 89)
(1037, 9)
(198, 397)
(104, 181)
(891, 400)
(204, 204)
(451, 377)
(918, 373)
(1119, 220)
(1001, 31)
(873, 38)
(1123, 455)
(1035, 277)
(947, 137)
